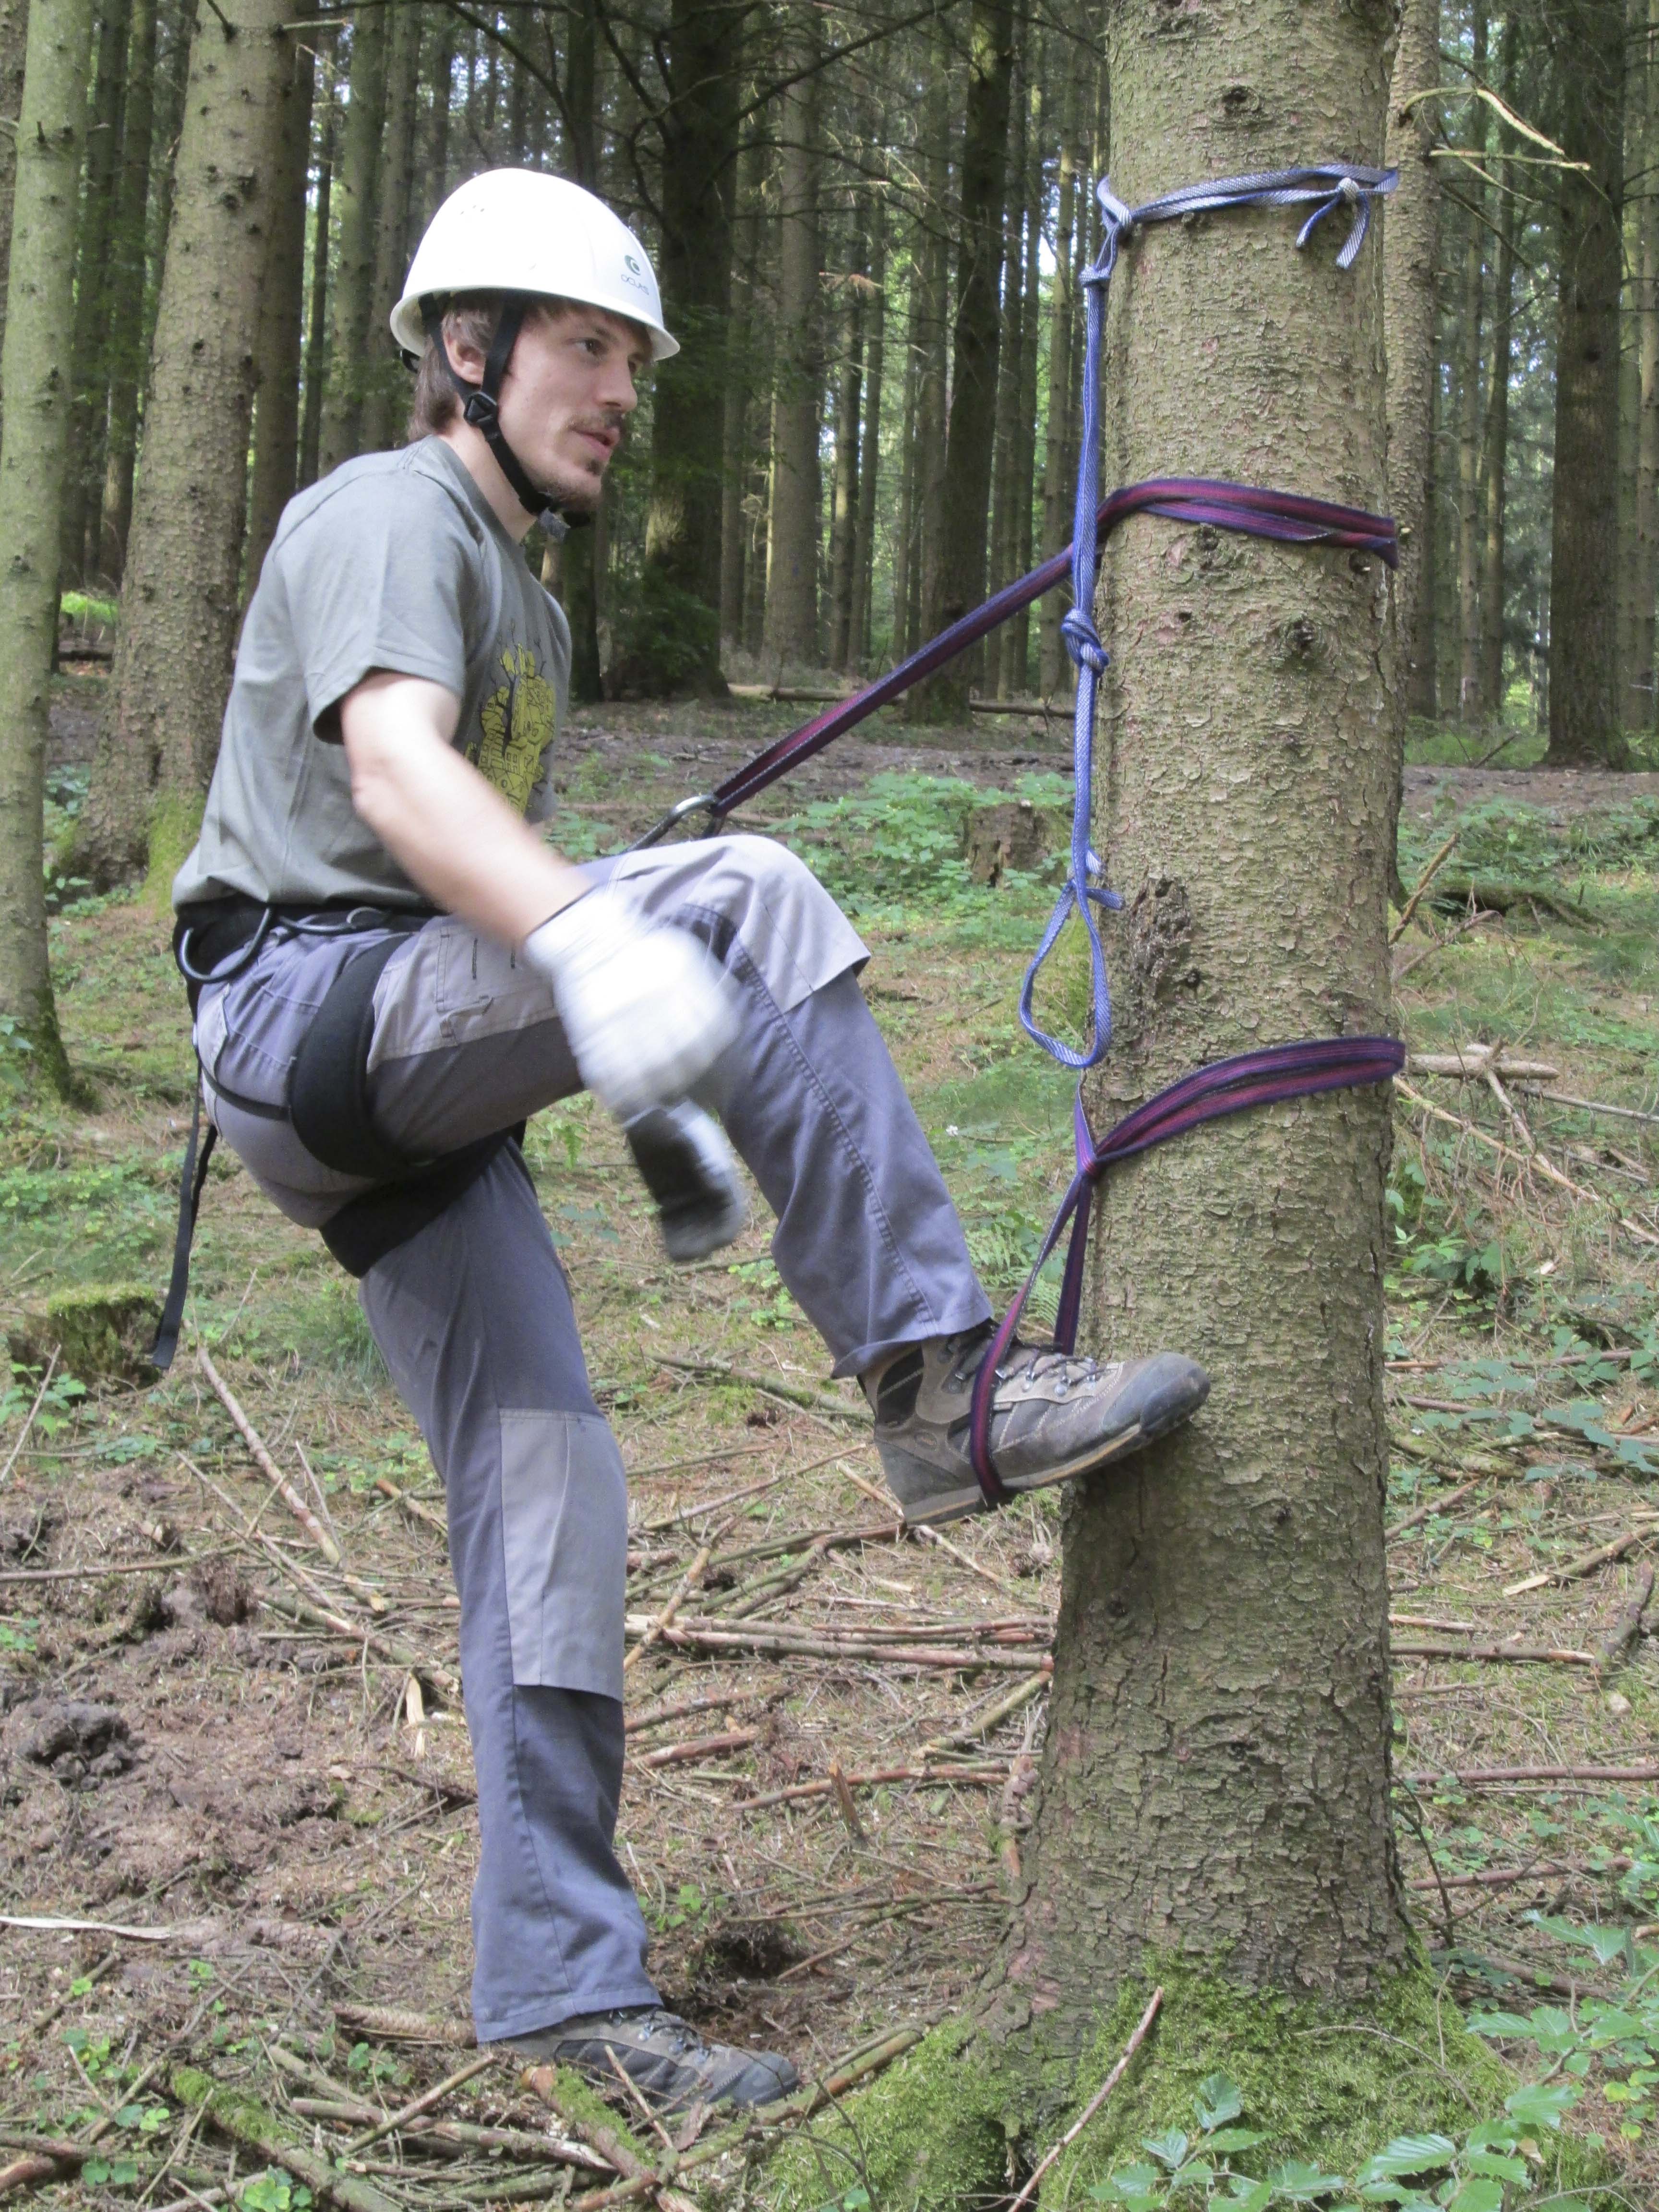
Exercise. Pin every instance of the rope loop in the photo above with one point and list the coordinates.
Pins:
(1083, 642)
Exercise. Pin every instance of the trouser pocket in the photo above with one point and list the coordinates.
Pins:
(564, 1541)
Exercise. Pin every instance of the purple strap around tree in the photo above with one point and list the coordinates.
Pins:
(1259, 513)
(1252, 1078)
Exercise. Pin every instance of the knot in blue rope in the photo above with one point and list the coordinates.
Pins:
(1083, 642)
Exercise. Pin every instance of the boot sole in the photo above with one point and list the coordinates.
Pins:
(958, 1504)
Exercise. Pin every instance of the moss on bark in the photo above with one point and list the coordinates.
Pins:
(962, 2118)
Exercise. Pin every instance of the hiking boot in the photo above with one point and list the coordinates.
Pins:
(663, 2056)
(1053, 1417)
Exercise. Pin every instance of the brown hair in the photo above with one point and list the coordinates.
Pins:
(473, 316)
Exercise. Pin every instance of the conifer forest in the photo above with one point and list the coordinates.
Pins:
(1265, 1816)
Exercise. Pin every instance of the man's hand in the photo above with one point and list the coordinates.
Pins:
(453, 836)
(645, 1010)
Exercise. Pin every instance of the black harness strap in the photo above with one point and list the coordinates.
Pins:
(481, 402)
(191, 1184)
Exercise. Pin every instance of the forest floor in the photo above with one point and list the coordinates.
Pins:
(208, 1735)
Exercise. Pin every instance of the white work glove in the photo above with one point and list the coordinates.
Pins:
(645, 1007)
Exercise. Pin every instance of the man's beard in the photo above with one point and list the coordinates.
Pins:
(577, 490)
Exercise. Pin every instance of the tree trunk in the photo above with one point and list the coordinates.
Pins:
(844, 479)
(1495, 463)
(431, 185)
(356, 190)
(385, 381)
(1585, 730)
(674, 644)
(791, 573)
(179, 596)
(83, 501)
(52, 139)
(905, 552)
(1645, 584)
(1005, 452)
(1215, 1782)
(739, 393)
(124, 346)
(173, 72)
(316, 352)
(281, 323)
(1410, 248)
(13, 38)
(1469, 350)
(934, 393)
(581, 566)
(1017, 652)
(875, 362)
(970, 437)
(1053, 662)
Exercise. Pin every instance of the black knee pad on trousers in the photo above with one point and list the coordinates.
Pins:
(328, 1102)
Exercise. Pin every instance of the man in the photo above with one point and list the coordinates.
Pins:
(392, 969)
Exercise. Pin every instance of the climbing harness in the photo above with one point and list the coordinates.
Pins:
(1229, 1086)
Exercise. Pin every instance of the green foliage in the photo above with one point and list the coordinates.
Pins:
(898, 842)
(689, 1907)
(58, 1401)
(84, 608)
(273, 2190)
(775, 1308)
(1482, 2169)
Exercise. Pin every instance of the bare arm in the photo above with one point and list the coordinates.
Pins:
(452, 835)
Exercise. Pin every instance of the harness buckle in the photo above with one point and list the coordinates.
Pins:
(701, 802)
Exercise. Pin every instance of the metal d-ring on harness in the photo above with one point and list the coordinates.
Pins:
(1229, 1086)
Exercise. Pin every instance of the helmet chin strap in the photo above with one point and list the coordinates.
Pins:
(481, 405)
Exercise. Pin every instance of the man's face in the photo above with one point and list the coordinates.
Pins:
(568, 392)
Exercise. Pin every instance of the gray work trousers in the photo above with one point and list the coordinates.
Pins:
(473, 1316)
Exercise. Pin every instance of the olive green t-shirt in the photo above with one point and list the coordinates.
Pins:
(393, 561)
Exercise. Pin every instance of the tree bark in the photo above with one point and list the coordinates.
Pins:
(385, 381)
(1054, 663)
(1469, 414)
(975, 338)
(844, 476)
(1017, 651)
(356, 189)
(875, 361)
(1585, 729)
(675, 641)
(791, 573)
(582, 565)
(1645, 584)
(739, 393)
(282, 322)
(1005, 452)
(905, 550)
(1494, 467)
(179, 596)
(316, 352)
(128, 264)
(1215, 1777)
(933, 373)
(176, 34)
(83, 500)
(1410, 249)
(52, 139)
(13, 38)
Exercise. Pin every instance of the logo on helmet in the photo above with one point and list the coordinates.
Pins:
(632, 272)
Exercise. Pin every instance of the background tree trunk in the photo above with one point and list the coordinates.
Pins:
(1058, 489)
(179, 598)
(1215, 1779)
(1495, 462)
(1585, 730)
(844, 477)
(385, 381)
(83, 497)
(123, 354)
(51, 140)
(14, 39)
(357, 188)
(282, 324)
(1410, 246)
(970, 435)
(875, 359)
(680, 649)
(1644, 707)
(792, 572)
(1469, 411)
(316, 350)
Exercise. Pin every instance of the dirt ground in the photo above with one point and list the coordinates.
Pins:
(257, 1759)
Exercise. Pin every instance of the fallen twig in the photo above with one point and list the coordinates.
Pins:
(1588, 1105)
(992, 1715)
(1142, 2027)
(661, 1520)
(413, 1506)
(247, 2121)
(544, 2082)
(1506, 1877)
(702, 1747)
(814, 1402)
(1587, 1562)
(1435, 1505)
(688, 1582)
(1543, 1653)
(1545, 1168)
(1475, 1777)
(394, 2025)
(395, 1654)
(1622, 1638)
(982, 1777)
(424, 2103)
(1474, 1063)
(89, 1927)
(262, 1460)
(1423, 881)
(707, 1702)
(776, 1641)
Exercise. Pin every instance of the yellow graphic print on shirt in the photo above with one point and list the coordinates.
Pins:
(517, 723)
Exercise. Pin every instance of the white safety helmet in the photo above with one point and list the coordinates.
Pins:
(516, 230)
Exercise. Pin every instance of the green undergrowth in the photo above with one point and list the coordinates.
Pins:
(1322, 2090)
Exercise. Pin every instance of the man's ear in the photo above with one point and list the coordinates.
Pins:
(466, 359)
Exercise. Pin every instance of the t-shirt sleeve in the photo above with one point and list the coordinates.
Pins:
(382, 576)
